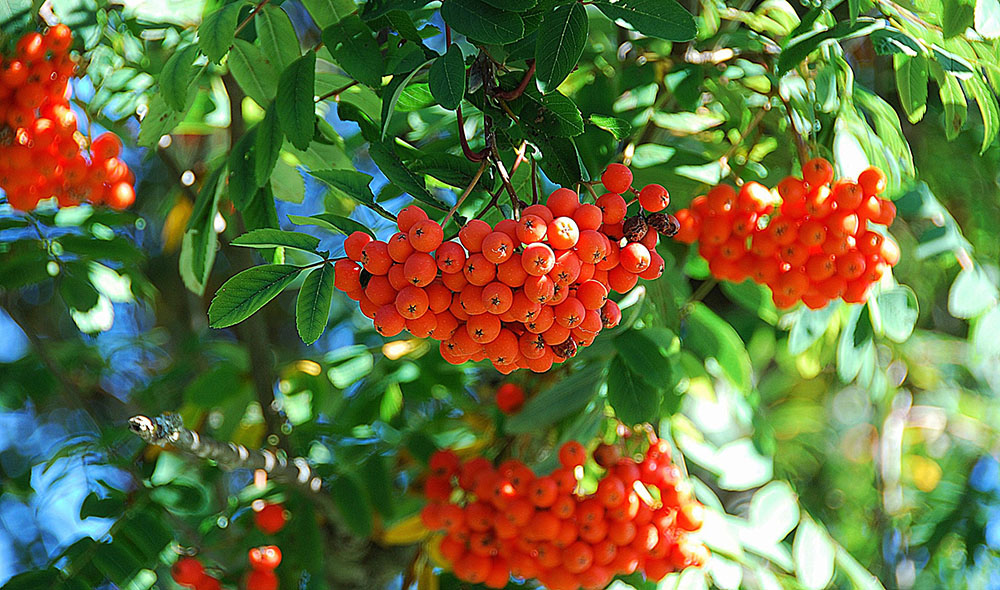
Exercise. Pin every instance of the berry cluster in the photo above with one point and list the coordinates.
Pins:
(42, 154)
(190, 573)
(524, 293)
(507, 522)
(263, 560)
(818, 247)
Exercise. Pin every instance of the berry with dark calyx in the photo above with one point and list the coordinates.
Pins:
(664, 224)
(267, 557)
(565, 349)
(187, 571)
(634, 228)
(607, 455)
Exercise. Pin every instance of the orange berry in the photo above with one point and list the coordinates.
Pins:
(531, 229)
(473, 234)
(617, 178)
(355, 243)
(563, 233)
(510, 398)
(479, 270)
(408, 217)
(375, 257)
(267, 557)
(411, 302)
(653, 198)
(872, 181)
(817, 171)
(572, 454)
(498, 247)
(721, 198)
(270, 519)
(425, 235)
(563, 202)
(187, 571)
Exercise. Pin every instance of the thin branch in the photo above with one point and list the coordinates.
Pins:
(335, 93)
(469, 154)
(534, 182)
(168, 429)
(465, 193)
(260, 6)
(516, 92)
(505, 178)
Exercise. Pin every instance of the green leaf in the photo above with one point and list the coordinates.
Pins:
(709, 336)
(809, 325)
(33, 580)
(987, 18)
(646, 356)
(814, 554)
(389, 99)
(241, 172)
(378, 484)
(198, 246)
(329, 12)
(177, 76)
(860, 578)
(337, 223)
(774, 510)
(352, 46)
(482, 22)
(243, 294)
(267, 145)
(312, 308)
(911, 79)
(632, 398)
(347, 495)
(972, 294)
(253, 71)
(553, 114)
(397, 173)
(956, 18)
(447, 78)
(277, 36)
(561, 160)
(559, 49)
(107, 507)
(217, 30)
(273, 238)
(988, 108)
(515, 5)
(953, 99)
(620, 128)
(352, 184)
(854, 8)
(898, 310)
(77, 292)
(855, 347)
(664, 19)
(294, 103)
(564, 398)
(801, 46)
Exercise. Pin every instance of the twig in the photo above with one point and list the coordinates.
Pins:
(469, 154)
(335, 93)
(505, 178)
(703, 290)
(516, 92)
(590, 188)
(260, 6)
(534, 182)
(168, 429)
(465, 193)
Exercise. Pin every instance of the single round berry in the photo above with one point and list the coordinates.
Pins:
(617, 178)
(270, 519)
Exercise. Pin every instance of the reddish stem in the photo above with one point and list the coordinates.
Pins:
(512, 94)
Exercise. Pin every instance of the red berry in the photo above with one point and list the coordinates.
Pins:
(187, 571)
(270, 519)
(267, 557)
(262, 580)
(617, 178)
(510, 398)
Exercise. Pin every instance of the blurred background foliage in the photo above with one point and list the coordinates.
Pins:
(833, 448)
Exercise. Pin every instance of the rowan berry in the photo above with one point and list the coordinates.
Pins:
(653, 198)
(399, 247)
(817, 171)
(375, 257)
(187, 571)
(872, 181)
(563, 202)
(266, 557)
(497, 297)
(388, 322)
(425, 235)
(531, 229)
(563, 233)
(270, 519)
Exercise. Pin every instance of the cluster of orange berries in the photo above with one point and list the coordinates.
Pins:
(505, 522)
(820, 245)
(525, 293)
(190, 571)
(42, 154)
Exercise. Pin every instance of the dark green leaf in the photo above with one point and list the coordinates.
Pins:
(854, 9)
(559, 49)
(295, 101)
(988, 109)
(645, 356)
(267, 145)
(632, 398)
(378, 483)
(352, 184)
(77, 291)
(482, 22)
(241, 170)
(261, 212)
(337, 223)
(515, 5)
(254, 72)
(352, 46)
(553, 115)
(561, 160)
(329, 12)
(665, 19)
(800, 47)
(898, 310)
(242, 295)
(198, 245)
(106, 507)
(856, 346)
(972, 294)
(348, 496)
(447, 78)
(397, 173)
(620, 128)
(277, 36)
(272, 238)
(312, 308)
(376, 8)
(391, 94)
(116, 562)
(911, 79)
(566, 397)
(177, 76)
(217, 30)
(33, 580)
